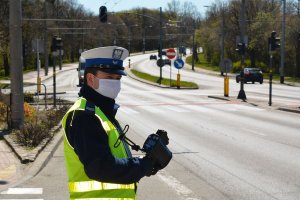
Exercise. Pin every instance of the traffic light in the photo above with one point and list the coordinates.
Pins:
(299, 37)
(56, 43)
(103, 14)
(241, 48)
(274, 41)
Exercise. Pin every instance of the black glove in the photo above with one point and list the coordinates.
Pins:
(149, 167)
(163, 135)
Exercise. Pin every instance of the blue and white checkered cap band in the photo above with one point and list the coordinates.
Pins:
(103, 61)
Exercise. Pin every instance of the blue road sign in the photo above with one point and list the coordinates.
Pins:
(178, 63)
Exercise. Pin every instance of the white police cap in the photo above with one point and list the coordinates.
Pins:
(108, 59)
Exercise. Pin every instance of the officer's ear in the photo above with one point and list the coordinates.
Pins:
(90, 80)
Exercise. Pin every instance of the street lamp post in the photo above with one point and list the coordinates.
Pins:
(129, 36)
(144, 38)
(282, 49)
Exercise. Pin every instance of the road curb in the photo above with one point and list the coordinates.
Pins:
(131, 75)
(289, 110)
(41, 158)
(281, 108)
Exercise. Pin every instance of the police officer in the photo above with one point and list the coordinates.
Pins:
(96, 166)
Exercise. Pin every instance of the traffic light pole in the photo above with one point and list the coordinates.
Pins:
(160, 43)
(242, 49)
(54, 81)
(242, 94)
(270, 77)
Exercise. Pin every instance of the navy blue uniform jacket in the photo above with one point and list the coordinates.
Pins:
(90, 143)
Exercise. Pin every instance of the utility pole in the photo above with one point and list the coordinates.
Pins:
(160, 42)
(243, 28)
(242, 94)
(15, 37)
(193, 49)
(282, 49)
(222, 39)
(46, 39)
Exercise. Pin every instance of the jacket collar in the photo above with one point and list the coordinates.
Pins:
(106, 105)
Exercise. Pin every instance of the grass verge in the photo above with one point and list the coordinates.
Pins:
(205, 65)
(164, 81)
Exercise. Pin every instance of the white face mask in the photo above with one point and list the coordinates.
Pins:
(109, 87)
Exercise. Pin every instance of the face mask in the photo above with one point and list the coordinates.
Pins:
(109, 87)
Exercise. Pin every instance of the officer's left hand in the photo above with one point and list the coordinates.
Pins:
(163, 135)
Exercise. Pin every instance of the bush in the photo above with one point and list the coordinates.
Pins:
(3, 109)
(32, 134)
(28, 97)
(37, 125)
(237, 66)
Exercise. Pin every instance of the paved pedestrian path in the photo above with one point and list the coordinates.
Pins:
(8, 164)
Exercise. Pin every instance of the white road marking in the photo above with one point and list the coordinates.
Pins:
(152, 109)
(23, 191)
(254, 132)
(180, 189)
(247, 108)
(199, 108)
(176, 108)
(128, 110)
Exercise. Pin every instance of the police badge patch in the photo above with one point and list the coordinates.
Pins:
(117, 54)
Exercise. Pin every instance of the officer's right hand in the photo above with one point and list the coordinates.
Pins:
(149, 166)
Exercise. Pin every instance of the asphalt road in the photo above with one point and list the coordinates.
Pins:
(222, 150)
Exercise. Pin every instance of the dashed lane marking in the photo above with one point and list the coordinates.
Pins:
(180, 189)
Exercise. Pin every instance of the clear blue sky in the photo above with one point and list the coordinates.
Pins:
(117, 5)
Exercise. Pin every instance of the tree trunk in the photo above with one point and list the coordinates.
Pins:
(6, 64)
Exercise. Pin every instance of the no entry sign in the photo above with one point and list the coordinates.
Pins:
(171, 53)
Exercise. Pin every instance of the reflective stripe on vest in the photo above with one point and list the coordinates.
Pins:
(80, 186)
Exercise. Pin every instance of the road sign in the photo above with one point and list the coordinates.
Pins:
(37, 45)
(171, 53)
(178, 63)
(226, 65)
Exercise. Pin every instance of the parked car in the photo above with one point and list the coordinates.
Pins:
(153, 57)
(251, 75)
(80, 69)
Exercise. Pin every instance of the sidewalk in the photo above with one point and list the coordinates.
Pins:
(31, 77)
(12, 171)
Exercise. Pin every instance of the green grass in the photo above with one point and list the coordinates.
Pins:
(203, 63)
(164, 81)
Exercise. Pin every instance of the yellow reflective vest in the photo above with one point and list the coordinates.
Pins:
(81, 187)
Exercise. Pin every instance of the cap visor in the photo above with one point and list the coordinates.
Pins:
(115, 71)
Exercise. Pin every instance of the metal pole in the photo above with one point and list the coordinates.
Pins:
(160, 42)
(242, 94)
(243, 28)
(222, 39)
(129, 39)
(144, 40)
(282, 48)
(15, 37)
(54, 81)
(193, 49)
(46, 40)
(270, 81)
